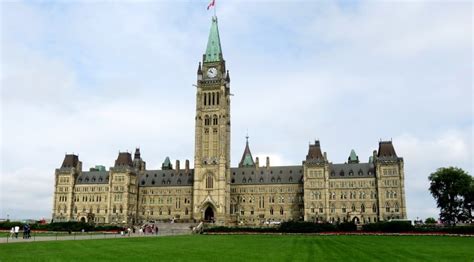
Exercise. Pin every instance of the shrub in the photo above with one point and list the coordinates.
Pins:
(389, 227)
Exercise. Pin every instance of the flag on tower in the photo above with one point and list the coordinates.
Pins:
(211, 4)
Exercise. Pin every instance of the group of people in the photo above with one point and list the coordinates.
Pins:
(148, 229)
(14, 231)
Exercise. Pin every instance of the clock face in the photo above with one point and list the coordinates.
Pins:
(212, 72)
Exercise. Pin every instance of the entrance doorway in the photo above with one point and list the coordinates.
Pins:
(355, 220)
(209, 214)
(83, 219)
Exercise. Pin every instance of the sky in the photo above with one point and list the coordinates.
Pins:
(98, 77)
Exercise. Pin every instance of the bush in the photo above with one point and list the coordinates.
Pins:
(305, 227)
(389, 227)
(346, 227)
(61, 226)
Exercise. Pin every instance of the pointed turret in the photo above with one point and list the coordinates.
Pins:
(353, 158)
(247, 159)
(167, 164)
(213, 50)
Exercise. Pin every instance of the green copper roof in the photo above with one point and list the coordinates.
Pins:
(353, 158)
(213, 50)
(167, 164)
(247, 159)
(353, 155)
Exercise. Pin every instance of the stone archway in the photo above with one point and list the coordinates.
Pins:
(209, 214)
(83, 220)
(355, 220)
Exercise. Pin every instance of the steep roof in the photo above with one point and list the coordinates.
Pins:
(353, 158)
(124, 159)
(70, 160)
(314, 153)
(386, 150)
(213, 49)
(247, 159)
(166, 178)
(270, 175)
(352, 170)
(167, 164)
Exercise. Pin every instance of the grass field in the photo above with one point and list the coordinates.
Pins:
(248, 248)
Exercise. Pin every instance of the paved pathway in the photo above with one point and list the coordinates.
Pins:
(81, 236)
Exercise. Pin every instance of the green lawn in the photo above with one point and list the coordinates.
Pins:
(248, 248)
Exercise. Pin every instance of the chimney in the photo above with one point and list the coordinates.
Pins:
(268, 162)
(177, 165)
(187, 165)
(257, 163)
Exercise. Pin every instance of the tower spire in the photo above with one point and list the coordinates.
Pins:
(213, 49)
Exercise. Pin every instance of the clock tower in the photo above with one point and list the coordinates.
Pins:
(211, 188)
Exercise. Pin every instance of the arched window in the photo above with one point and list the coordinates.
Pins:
(209, 181)
(362, 208)
(387, 207)
(250, 180)
(271, 210)
(353, 208)
(344, 209)
(244, 180)
(121, 209)
(261, 180)
(396, 207)
(281, 210)
(278, 180)
(114, 209)
(374, 208)
(215, 120)
(205, 99)
(207, 120)
(186, 211)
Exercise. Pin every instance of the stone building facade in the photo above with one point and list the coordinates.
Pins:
(316, 190)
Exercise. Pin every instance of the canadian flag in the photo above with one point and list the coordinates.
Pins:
(211, 4)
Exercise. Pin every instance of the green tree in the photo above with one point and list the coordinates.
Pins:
(430, 220)
(452, 189)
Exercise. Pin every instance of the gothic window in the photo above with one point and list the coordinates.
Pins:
(321, 210)
(205, 99)
(261, 180)
(281, 210)
(209, 181)
(341, 173)
(387, 207)
(278, 179)
(351, 173)
(271, 210)
(273, 180)
(250, 180)
(244, 180)
(121, 209)
(214, 120)
(353, 208)
(213, 98)
(374, 208)
(207, 120)
(186, 211)
(153, 181)
(344, 209)
(217, 98)
(396, 208)
(333, 208)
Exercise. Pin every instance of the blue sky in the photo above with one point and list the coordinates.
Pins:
(95, 78)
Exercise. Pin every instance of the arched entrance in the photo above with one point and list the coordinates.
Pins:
(209, 214)
(83, 219)
(355, 220)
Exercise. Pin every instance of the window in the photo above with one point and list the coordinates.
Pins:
(387, 207)
(362, 208)
(209, 181)
(214, 120)
(343, 209)
(396, 207)
(281, 210)
(271, 210)
(374, 208)
(353, 208)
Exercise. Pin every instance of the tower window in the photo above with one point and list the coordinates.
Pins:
(209, 181)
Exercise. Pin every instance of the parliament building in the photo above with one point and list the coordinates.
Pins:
(253, 193)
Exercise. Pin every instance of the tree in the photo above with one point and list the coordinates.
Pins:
(453, 190)
(430, 220)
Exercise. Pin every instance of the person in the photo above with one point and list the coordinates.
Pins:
(12, 232)
(140, 231)
(17, 230)
(129, 231)
(156, 230)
